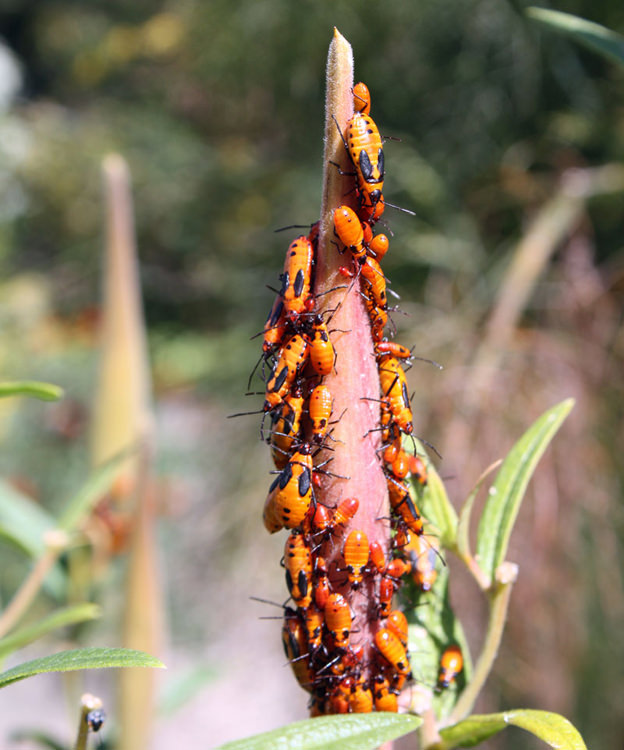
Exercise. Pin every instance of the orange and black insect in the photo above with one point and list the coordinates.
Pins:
(403, 505)
(314, 620)
(386, 592)
(286, 427)
(451, 664)
(361, 98)
(344, 512)
(397, 568)
(322, 354)
(339, 696)
(361, 698)
(295, 642)
(290, 495)
(298, 564)
(320, 408)
(377, 557)
(398, 351)
(418, 469)
(378, 246)
(292, 357)
(397, 623)
(356, 554)
(297, 276)
(385, 699)
(349, 230)
(365, 148)
(376, 282)
(423, 552)
(322, 586)
(338, 620)
(394, 388)
(393, 651)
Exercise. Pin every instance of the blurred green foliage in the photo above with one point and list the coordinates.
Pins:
(217, 106)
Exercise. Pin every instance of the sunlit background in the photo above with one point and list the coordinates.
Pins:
(218, 109)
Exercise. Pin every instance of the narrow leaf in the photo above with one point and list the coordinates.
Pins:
(58, 619)
(552, 728)
(436, 506)
(42, 391)
(81, 658)
(463, 525)
(354, 732)
(595, 37)
(507, 492)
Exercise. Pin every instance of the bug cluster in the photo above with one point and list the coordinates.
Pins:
(340, 674)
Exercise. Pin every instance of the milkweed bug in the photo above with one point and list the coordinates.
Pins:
(451, 664)
(295, 642)
(286, 427)
(291, 493)
(338, 620)
(322, 353)
(320, 407)
(393, 651)
(397, 623)
(385, 699)
(297, 276)
(361, 98)
(292, 357)
(361, 698)
(349, 230)
(356, 553)
(394, 388)
(423, 552)
(298, 564)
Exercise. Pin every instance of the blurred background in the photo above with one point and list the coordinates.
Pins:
(511, 275)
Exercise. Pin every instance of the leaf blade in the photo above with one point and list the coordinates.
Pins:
(591, 35)
(350, 732)
(81, 658)
(552, 728)
(507, 492)
(42, 391)
(58, 619)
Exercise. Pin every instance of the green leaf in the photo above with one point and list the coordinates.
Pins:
(353, 732)
(80, 658)
(58, 619)
(552, 728)
(507, 492)
(435, 504)
(463, 525)
(24, 523)
(595, 37)
(93, 490)
(432, 627)
(43, 391)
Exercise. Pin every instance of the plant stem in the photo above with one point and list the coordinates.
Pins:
(498, 596)
(88, 703)
(355, 382)
(56, 542)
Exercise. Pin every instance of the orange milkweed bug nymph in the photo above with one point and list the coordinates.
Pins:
(297, 276)
(385, 699)
(314, 620)
(292, 357)
(398, 351)
(291, 493)
(451, 664)
(418, 469)
(356, 553)
(402, 504)
(298, 564)
(349, 230)
(295, 642)
(361, 98)
(386, 592)
(423, 552)
(322, 587)
(393, 651)
(394, 388)
(365, 148)
(361, 698)
(322, 354)
(286, 427)
(338, 620)
(320, 408)
(378, 246)
(397, 623)
(376, 282)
